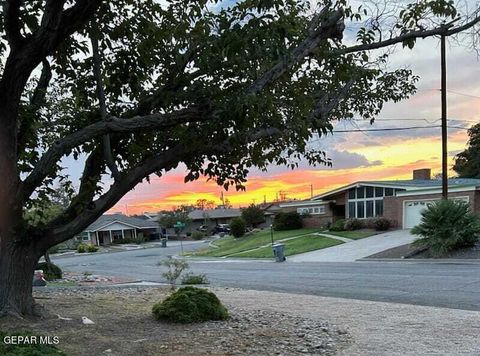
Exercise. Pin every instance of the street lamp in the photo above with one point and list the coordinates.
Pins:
(271, 232)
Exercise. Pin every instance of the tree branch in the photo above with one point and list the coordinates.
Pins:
(114, 125)
(445, 30)
(91, 176)
(330, 26)
(164, 161)
(38, 97)
(97, 71)
(11, 10)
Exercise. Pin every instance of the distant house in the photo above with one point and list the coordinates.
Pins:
(212, 217)
(402, 201)
(112, 227)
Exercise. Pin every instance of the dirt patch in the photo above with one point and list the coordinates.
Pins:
(410, 252)
(124, 326)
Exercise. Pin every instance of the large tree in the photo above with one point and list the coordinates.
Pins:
(134, 88)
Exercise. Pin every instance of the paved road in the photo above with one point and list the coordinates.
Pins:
(443, 285)
(355, 250)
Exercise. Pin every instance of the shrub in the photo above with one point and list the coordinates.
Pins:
(50, 271)
(446, 226)
(91, 248)
(25, 349)
(190, 305)
(238, 227)
(175, 269)
(338, 225)
(81, 248)
(197, 235)
(190, 278)
(381, 224)
(354, 224)
(287, 221)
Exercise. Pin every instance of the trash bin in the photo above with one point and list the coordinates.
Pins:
(164, 242)
(39, 279)
(279, 252)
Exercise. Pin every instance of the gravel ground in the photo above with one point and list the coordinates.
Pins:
(124, 326)
(261, 323)
(378, 328)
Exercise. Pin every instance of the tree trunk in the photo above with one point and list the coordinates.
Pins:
(17, 264)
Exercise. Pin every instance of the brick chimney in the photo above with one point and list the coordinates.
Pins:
(422, 174)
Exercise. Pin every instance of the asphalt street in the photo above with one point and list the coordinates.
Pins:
(452, 285)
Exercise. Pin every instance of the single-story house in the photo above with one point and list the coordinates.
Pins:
(111, 227)
(212, 217)
(399, 200)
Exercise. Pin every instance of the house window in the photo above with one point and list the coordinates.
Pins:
(312, 211)
(369, 205)
(351, 209)
(351, 194)
(117, 235)
(378, 207)
(388, 192)
(360, 193)
(379, 192)
(360, 209)
(367, 201)
(369, 192)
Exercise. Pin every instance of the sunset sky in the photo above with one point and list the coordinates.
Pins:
(358, 155)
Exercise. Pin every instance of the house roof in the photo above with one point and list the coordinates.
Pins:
(108, 219)
(214, 214)
(410, 184)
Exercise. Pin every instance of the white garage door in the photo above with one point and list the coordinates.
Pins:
(413, 211)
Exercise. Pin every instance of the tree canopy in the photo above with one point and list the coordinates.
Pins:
(467, 162)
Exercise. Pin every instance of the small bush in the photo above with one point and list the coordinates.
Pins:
(381, 224)
(91, 248)
(190, 305)
(8, 349)
(287, 221)
(446, 226)
(81, 248)
(238, 227)
(197, 235)
(354, 224)
(190, 278)
(50, 271)
(338, 225)
(175, 269)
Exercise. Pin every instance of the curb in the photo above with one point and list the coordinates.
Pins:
(423, 260)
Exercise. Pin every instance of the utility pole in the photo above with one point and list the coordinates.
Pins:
(311, 191)
(444, 118)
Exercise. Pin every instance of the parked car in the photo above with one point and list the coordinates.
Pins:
(202, 228)
(225, 228)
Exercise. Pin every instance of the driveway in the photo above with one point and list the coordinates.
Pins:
(354, 250)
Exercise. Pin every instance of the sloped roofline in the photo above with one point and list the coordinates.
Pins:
(360, 184)
(120, 222)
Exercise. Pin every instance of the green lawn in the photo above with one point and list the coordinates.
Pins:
(354, 235)
(229, 245)
(295, 246)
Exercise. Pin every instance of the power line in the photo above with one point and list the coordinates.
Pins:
(453, 92)
(399, 129)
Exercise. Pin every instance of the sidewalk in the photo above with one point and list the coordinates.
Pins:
(355, 250)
